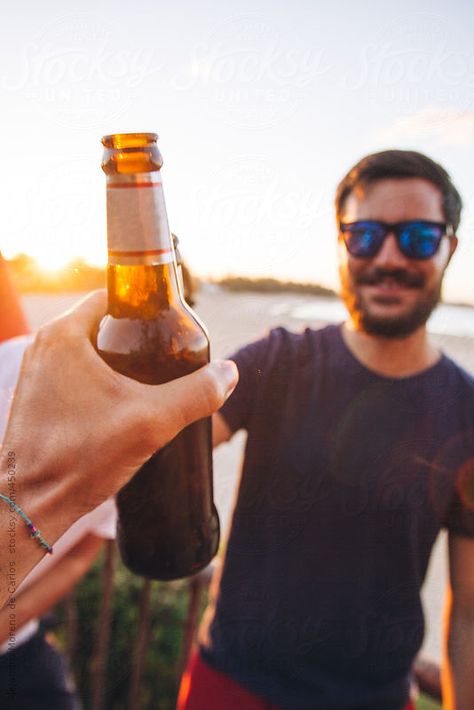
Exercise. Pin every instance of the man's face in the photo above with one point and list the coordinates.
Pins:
(390, 295)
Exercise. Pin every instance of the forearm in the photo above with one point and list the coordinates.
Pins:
(458, 663)
(54, 585)
(41, 502)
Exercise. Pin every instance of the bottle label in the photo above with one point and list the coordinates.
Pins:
(137, 223)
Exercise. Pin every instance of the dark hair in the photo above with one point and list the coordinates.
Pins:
(401, 164)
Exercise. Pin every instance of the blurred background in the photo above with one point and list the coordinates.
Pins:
(261, 107)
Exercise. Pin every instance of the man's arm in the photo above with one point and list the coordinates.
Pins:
(458, 662)
(56, 582)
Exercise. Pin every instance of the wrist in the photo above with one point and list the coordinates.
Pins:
(46, 498)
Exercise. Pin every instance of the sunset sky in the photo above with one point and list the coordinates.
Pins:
(261, 107)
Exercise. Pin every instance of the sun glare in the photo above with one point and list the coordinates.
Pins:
(51, 262)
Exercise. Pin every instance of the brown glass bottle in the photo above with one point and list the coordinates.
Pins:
(168, 526)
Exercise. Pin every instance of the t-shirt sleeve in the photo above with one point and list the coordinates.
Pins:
(459, 517)
(252, 363)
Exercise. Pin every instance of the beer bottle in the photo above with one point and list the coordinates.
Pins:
(167, 522)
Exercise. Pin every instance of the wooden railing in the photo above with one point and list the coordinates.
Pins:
(197, 584)
(99, 659)
(426, 673)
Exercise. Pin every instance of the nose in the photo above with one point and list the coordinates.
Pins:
(389, 255)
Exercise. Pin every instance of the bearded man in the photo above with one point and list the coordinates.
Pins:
(360, 449)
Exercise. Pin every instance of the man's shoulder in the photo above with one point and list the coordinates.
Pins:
(280, 342)
(456, 387)
(272, 368)
(459, 375)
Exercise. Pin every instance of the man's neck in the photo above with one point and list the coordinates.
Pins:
(391, 357)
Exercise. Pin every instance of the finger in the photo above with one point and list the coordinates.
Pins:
(180, 402)
(84, 317)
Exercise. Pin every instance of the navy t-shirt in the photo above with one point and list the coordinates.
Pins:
(347, 479)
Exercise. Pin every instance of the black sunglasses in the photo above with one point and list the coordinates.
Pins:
(417, 239)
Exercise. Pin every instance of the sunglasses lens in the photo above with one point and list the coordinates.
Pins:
(420, 240)
(363, 239)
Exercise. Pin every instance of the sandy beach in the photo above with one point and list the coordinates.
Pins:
(234, 319)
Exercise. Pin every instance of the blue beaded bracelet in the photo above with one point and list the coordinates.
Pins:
(35, 533)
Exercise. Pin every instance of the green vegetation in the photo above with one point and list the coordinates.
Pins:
(424, 703)
(159, 683)
(269, 285)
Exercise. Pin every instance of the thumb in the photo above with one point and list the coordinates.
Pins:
(180, 402)
(83, 318)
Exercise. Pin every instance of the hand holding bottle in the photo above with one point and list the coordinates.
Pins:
(168, 525)
(79, 430)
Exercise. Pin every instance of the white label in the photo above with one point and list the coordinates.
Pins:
(137, 224)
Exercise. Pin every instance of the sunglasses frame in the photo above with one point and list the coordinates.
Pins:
(397, 229)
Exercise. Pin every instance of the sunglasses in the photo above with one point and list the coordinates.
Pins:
(417, 239)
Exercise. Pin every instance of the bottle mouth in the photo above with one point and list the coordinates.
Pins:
(129, 140)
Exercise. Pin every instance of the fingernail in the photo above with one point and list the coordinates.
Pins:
(229, 373)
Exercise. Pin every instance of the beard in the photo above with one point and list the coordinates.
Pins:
(399, 326)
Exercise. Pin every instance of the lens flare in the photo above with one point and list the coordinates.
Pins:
(465, 483)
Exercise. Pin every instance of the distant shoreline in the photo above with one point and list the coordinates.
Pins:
(80, 277)
(249, 286)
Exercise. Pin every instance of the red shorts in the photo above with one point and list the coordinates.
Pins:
(203, 688)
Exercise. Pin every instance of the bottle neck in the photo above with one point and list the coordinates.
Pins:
(142, 273)
(142, 290)
(137, 223)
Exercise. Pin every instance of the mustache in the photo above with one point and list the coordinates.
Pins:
(373, 277)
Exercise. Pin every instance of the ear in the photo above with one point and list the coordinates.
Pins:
(453, 245)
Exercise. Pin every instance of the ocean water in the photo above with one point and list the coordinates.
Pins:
(446, 319)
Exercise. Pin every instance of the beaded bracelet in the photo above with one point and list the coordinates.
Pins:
(35, 533)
